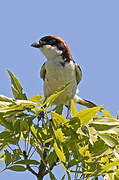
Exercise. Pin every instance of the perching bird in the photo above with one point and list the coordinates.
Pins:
(58, 70)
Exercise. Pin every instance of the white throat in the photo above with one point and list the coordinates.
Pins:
(50, 52)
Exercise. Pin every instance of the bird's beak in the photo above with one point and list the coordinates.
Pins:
(37, 44)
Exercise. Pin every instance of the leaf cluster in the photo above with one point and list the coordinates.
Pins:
(38, 139)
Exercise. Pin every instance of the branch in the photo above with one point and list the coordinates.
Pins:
(54, 164)
(28, 167)
(42, 168)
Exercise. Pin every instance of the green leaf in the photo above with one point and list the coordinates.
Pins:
(37, 98)
(51, 99)
(111, 130)
(92, 135)
(99, 148)
(110, 165)
(8, 124)
(4, 104)
(72, 162)
(63, 177)
(59, 109)
(104, 124)
(4, 134)
(27, 162)
(86, 115)
(17, 88)
(3, 146)
(66, 151)
(52, 177)
(99, 120)
(74, 148)
(11, 108)
(59, 119)
(16, 155)
(59, 135)
(17, 168)
(52, 157)
(6, 99)
(109, 140)
(106, 113)
(59, 153)
(18, 95)
(15, 82)
(73, 108)
(33, 131)
(48, 140)
(19, 105)
(24, 126)
(8, 157)
(25, 103)
(116, 176)
(2, 157)
(75, 123)
(12, 140)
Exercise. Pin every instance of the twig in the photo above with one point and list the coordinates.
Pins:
(28, 167)
(54, 164)
(42, 167)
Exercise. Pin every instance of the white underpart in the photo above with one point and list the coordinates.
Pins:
(50, 52)
(57, 76)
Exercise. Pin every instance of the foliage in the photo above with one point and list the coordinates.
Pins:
(86, 145)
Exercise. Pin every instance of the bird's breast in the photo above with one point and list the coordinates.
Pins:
(59, 74)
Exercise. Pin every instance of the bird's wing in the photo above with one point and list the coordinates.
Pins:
(43, 72)
(78, 73)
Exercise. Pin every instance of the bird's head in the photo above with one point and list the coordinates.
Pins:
(53, 46)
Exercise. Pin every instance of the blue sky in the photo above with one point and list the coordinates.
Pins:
(91, 29)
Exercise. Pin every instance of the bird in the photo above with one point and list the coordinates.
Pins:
(58, 70)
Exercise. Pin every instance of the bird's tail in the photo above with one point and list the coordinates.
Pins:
(84, 102)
